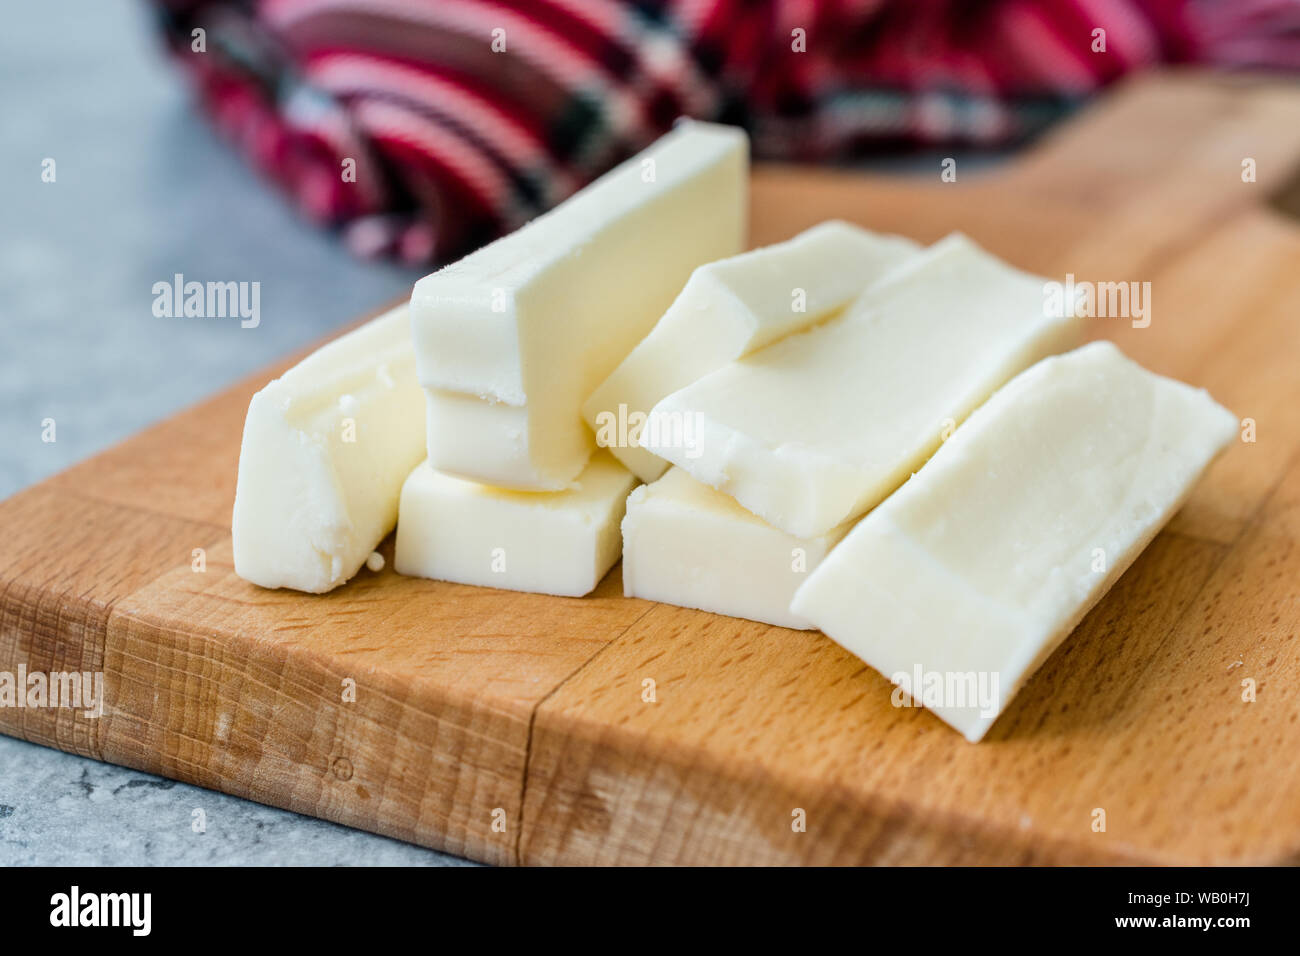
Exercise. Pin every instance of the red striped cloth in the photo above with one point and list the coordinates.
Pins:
(462, 119)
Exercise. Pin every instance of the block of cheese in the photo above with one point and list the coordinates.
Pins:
(821, 426)
(326, 448)
(686, 544)
(973, 572)
(728, 309)
(532, 323)
(557, 542)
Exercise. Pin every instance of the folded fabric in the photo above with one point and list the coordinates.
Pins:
(424, 128)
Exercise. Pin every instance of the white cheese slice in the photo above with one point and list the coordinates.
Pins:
(821, 426)
(558, 542)
(532, 323)
(326, 448)
(686, 544)
(728, 309)
(963, 582)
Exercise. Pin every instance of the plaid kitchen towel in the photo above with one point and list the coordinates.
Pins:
(423, 128)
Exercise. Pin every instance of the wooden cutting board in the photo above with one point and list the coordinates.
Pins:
(512, 727)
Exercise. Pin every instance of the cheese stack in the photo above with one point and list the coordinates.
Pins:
(813, 431)
(820, 427)
(772, 399)
(510, 341)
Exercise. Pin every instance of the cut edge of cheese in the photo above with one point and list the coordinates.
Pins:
(325, 450)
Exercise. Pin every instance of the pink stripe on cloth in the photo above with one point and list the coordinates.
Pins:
(355, 75)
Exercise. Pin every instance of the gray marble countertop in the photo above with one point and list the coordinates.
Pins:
(143, 190)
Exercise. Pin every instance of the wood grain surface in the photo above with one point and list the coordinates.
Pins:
(513, 728)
